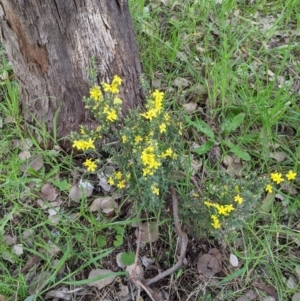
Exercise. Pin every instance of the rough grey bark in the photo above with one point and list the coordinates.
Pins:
(50, 44)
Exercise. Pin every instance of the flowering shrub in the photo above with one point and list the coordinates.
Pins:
(142, 152)
(277, 178)
(141, 147)
(229, 202)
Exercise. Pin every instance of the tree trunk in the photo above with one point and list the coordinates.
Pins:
(50, 43)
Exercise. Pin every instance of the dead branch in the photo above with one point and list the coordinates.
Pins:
(184, 241)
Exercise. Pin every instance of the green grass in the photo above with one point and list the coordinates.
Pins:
(238, 62)
(232, 59)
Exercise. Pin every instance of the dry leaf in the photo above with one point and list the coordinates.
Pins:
(27, 233)
(233, 260)
(38, 281)
(55, 263)
(167, 2)
(52, 249)
(146, 261)
(87, 188)
(235, 169)
(105, 204)
(181, 82)
(248, 296)
(10, 240)
(25, 144)
(8, 120)
(210, 264)
(18, 249)
(297, 270)
(59, 294)
(8, 256)
(99, 284)
(42, 204)
(76, 192)
(278, 156)
(119, 261)
(291, 282)
(138, 270)
(149, 232)
(2, 298)
(53, 211)
(217, 253)
(35, 162)
(268, 289)
(48, 192)
(124, 291)
(190, 107)
(54, 219)
(227, 160)
(296, 297)
(27, 237)
(23, 155)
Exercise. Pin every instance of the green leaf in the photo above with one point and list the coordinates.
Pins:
(118, 240)
(128, 258)
(63, 185)
(240, 153)
(231, 124)
(179, 273)
(268, 202)
(96, 278)
(101, 241)
(201, 126)
(235, 274)
(203, 149)
(235, 149)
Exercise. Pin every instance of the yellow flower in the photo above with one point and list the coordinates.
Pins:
(114, 89)
(224, 209)
(83, 145)
(238, 199)
(117, 101)
(95, 93)
(138, 139)
(269, 188)
(124, 138)
(167, 153)
(150, 161)
(111, 115)
(180, 129)
(117, 80)
(106, 87)
(291, 175)
(167, 117)
(162, 128)
(215, 223)
(82, 131)
(121, 184)
(158, 97)
(118, 175)
(277, 177)
(208, 204)
(150, 114)
(155, 189)
(90, 165)
(111, 181)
